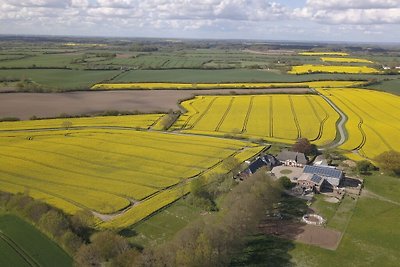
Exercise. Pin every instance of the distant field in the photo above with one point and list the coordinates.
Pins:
(280, 118)
(121, 168)
(374, 119)
(83, 79)
(23, 245)
(391, 86)
(26, 105)
(345, 60)
(129, 121)
(333, 69)
(146, 86)
(232, 76)
(58, 78)
(323, 54)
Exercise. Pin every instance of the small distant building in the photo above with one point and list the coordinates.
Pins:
(319, 177)
(291, 158)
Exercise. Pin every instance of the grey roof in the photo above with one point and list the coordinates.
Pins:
(291, 155)
(323, 171)
(269, 159)
(316, 179)
(256, 165)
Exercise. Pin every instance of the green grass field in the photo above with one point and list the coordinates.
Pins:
(163, 225)
(22, 245)
(58, 78)
(391, 86)
(230, 75)
(371, 237)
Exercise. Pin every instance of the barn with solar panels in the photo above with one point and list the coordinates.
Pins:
(319, 177)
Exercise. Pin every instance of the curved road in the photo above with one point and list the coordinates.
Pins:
(340, 126)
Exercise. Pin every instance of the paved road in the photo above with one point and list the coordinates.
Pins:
(340, 126)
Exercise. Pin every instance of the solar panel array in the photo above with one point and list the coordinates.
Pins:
(316, 179)
(323, 171)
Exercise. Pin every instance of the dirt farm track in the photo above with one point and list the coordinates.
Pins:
(25, 105)
(303, 233)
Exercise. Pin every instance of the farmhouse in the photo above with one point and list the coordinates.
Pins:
(268, 161)
(319, 177)
(290, 158)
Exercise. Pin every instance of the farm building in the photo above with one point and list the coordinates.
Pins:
(309, 181)
(290, 158)
(268, 161)
(318, 177)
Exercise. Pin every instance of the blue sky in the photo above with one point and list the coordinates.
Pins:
(304, 20)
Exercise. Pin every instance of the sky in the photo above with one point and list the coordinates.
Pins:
(301, 20)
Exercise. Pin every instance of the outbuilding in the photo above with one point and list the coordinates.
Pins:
(291, 158)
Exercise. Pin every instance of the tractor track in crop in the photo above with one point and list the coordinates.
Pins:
(204, 112)
(296, 121)
(321, 121)
(271, 117)
(225, 114)
(246, 119)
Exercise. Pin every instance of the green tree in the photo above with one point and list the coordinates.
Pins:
(231, 165)
(285, 182)
(365, 166)
(389, 161)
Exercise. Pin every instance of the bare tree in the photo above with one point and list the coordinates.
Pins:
(66, 125)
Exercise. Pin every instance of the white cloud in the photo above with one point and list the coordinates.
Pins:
(351, 11)
(216, 18)
(39, 3)
(352, 4)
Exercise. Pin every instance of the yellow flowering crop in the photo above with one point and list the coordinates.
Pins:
(302, 69)
(173, 86)
(345, 60)
(275, 117)
(105, 170)
(373, 119)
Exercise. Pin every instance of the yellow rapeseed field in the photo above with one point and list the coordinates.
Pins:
(345, 60)
(303, 69)
(165, 197)
(373, 124)
(277, 117)
(129, 121)
(166, 86)
(106, 170)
